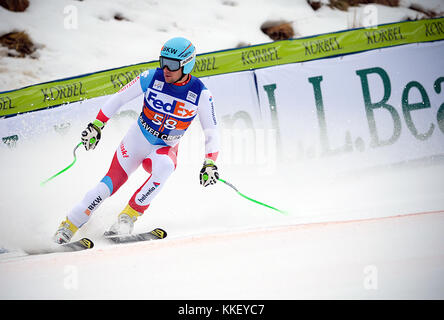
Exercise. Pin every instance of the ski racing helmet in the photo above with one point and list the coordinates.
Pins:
(176, 53)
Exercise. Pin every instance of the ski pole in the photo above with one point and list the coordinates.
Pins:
(60, 172)
(248, 198)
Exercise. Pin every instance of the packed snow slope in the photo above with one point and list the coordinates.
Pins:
(394, 258)
(219, 245)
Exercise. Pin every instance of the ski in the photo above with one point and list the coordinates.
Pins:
(82, 244)
(85, 243)
(155, 234)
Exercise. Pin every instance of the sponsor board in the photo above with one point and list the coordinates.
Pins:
(65, 91)
(376, 107)
(106, 82)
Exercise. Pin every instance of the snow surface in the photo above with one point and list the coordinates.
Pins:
(219, 245)
(390, 258)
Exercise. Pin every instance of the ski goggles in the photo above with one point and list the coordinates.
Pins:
(174, 64)
(171, 64)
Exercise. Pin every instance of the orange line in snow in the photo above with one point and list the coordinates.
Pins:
(172, 242)
(109, 252)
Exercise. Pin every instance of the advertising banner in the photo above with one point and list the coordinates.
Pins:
(376, 107)
(80, 88)
(64, 91)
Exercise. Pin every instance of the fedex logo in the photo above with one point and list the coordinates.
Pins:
(176, 107)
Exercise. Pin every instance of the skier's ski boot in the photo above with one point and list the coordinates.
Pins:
(65, 232)
(125, 222)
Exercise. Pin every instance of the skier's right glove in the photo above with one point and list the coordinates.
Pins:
(91, 135)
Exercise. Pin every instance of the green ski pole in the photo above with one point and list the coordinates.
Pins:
(60, 172)
(248, 198)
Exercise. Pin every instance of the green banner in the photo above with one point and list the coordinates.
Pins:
(54, 93)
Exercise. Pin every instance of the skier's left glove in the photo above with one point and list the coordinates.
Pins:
(208, 174)
(91, 135)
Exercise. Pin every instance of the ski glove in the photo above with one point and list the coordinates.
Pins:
(208, 175)
(91, 135)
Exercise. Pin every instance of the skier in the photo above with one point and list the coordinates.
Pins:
(172, 99)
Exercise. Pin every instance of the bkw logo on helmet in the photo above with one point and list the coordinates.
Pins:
(169, 50)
